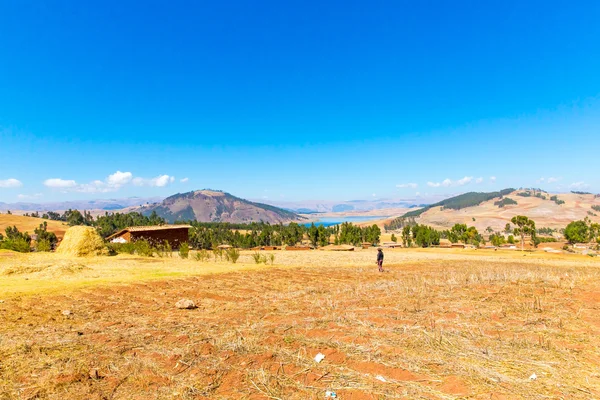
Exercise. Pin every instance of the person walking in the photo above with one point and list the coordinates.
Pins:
(380, 259)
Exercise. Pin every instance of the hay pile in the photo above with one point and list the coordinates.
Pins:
(80, 241)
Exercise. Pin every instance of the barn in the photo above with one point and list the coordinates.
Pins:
(174, 234)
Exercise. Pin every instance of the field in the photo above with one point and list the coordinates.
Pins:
(438, 324)
(29, 224)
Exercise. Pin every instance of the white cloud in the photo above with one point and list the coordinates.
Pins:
(10, 183)
(493, 179)
(119, 178)
(478, 180)
(159, 181)
(464, 181)
(552, 180)
(417, 193)
(184, 180)
(407, 185)
(542, 179)
(579, 185)
(58, 183)
(374, 195)
(112, 183)
(29, 196)
(448, 182)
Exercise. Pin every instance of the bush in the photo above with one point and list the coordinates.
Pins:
(257, 257)
(271, 258)
(165, 249)
(43, 245)
(511, 239)
(19, 244)
(143, 248)
(119, 248)
(232, 255)
(184, 250)
(217, 253)
(202, 255)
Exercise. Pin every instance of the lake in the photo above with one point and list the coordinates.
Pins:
(330, 221)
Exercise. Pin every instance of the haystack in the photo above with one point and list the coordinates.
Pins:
(81, 241)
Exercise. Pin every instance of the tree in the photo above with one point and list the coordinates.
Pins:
(313, 235)
(507, 228)
(394, 238)
(577, 232)
(525, 226)
(45, 237)
(406, 236)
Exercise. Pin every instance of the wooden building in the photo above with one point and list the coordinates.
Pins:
(174, 234)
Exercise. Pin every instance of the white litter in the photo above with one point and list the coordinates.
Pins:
(330, 394)
(533, 377)
(319, 357)
(380, 378)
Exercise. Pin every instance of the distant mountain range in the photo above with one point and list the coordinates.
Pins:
(320, 206)
(216, 206)
(103, 204)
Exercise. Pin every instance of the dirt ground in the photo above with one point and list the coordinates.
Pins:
(438, 324)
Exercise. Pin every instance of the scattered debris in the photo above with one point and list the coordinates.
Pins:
(380, 378)
(185, 304)
(330, 394)
(319, 357)
(67, 313)
(533, 377)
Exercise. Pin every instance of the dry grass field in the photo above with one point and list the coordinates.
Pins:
(438, 324)
(29, 224)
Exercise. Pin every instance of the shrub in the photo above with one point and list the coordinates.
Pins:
(143, 248)
(202, 255)
(511, 239)
(184, 250)
(271, 258)
(43, 245)
(232, 255)
(19, 244)
(218, 253)
(257, 257)
(118, 248)
(596, 208)
(165, 249)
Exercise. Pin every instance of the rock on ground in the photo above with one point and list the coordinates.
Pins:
(185, 304)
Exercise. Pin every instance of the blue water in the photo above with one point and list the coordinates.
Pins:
(330, 221)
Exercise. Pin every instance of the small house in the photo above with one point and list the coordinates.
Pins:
(174, 234)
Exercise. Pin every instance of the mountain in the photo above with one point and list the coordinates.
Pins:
(101, 204)
(495, 209)
(216, 206)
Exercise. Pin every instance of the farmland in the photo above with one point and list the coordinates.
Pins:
(438, 324)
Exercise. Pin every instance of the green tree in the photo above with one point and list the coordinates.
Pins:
(577, 232)
(406, 236)
(44, 236)
(524, 226)
(394, 238)
(313, 235)
(507, 228)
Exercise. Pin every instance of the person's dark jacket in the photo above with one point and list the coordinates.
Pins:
(379, 256)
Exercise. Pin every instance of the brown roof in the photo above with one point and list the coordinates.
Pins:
(148, 228)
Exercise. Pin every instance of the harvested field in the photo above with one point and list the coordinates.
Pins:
(29, 224)
(440, 324)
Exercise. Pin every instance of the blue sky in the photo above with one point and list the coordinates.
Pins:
(297, 100)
